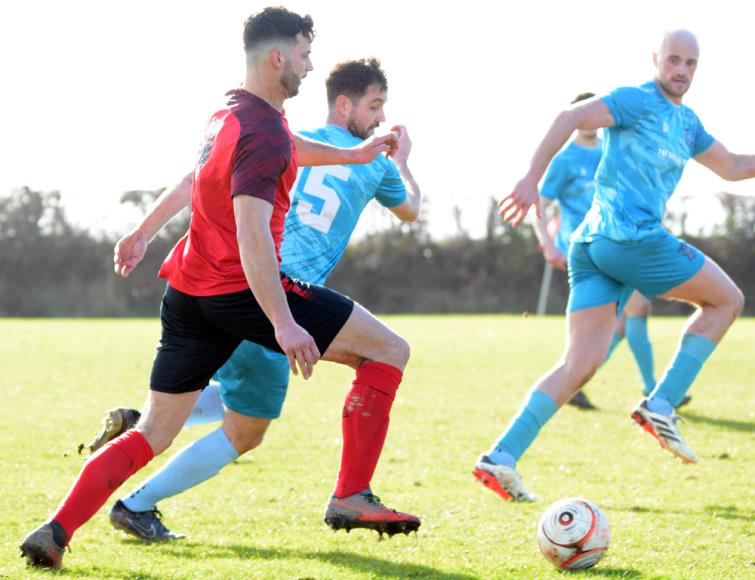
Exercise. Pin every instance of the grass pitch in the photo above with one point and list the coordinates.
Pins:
(262, 517)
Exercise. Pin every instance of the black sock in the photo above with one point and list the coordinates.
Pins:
(58, 534)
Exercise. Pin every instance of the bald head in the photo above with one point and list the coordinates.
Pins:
(676, 62)
(679, 40)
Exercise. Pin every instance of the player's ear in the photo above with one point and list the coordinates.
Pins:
(343, 105)
(276, 58)
(655, 59)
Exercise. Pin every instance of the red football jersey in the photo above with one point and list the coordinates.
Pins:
(248, 150)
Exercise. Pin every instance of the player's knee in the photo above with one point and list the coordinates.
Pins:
(733, 303)
(398, 351)
(158, 439)
(244, 436)
(738, 302)
(245, 442)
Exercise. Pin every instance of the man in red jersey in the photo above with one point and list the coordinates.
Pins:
(224, 286)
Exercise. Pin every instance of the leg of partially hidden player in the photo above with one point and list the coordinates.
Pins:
(379, 356)
(252, 385)
(719, 302)
(617, 337)
(106, 470)
(208, 409)
(589, 332)
(137, 514)
(637, 311)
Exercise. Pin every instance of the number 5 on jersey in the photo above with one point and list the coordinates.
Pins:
(314, 186)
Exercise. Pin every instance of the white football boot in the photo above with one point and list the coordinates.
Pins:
(501, 479)
(665, 429)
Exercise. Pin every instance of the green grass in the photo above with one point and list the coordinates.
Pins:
(262, 517)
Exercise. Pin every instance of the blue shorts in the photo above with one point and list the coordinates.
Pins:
(604, 271)
(254, 381)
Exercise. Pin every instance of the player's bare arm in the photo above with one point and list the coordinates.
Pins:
(409, 209)
(258, 259)
(313, 152)
(727, 165)
(130, 249)
(588, 116)
(551, 253)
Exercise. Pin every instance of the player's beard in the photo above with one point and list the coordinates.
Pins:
(290, 80)
(358, 131)
(669, 88)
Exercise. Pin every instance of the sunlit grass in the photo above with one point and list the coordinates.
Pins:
(262, 517)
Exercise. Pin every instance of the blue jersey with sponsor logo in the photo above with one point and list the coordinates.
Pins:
(644, 155)
(326, 203)
(570, 181)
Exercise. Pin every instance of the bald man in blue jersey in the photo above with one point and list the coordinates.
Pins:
(249, 390)
(570, 183)
(621, 246)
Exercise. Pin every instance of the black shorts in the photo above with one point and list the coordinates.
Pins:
(199, 333)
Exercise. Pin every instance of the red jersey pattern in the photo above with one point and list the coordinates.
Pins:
(248, 150)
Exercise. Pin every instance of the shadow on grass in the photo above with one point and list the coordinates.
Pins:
(376, 567)
(728, 512)
(746, 426)
(91, 572)
(608, 572)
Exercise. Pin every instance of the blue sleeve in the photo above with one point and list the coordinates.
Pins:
(555, 179)
(703, 139)
(391, 192)
(627, 105)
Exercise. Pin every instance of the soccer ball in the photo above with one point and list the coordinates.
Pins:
(573, 534)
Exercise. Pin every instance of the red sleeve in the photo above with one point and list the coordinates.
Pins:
(261, 157)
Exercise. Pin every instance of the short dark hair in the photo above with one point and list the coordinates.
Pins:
(582, 97)
(353, 77)
(276, 23)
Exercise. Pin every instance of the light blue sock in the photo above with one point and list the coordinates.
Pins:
(209, 407)
(693, 351)
(194, 464)
(523, 429)
(615, 340)
(639, 342)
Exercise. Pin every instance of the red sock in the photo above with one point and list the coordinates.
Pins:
(102, 474)
(365, 425)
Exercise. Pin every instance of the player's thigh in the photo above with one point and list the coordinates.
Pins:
(710, 286)
(254, 381)
(322, 312)
(365, 338)
(588, 333)
(637, 305)
(245, 432)
(191, 348)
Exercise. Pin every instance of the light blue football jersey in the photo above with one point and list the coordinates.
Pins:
(644, 155)
(326, 203)
(570, 180)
